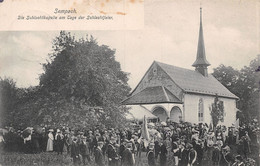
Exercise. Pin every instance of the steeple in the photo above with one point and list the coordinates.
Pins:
(201, 62)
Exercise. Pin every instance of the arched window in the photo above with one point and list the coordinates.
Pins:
(201, 110)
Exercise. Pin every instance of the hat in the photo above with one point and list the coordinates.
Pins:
(151, 145)
(227, 148)
(129, 145)
(238, 157)
(215, 144)
(51, 130)
(189, 145)
(100, 143)
(58, 130)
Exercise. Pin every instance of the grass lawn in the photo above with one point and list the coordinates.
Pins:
(52, 159)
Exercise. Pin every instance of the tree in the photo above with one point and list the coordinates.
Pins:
(8, 99)
(244, 84)
(81, 77)
(217, 111)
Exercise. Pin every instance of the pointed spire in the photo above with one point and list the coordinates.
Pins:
(201, 56)
(201, 61)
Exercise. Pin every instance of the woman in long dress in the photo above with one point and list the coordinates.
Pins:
(50, 141)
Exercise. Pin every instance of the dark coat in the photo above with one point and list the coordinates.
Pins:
(163, 155)
(216, 155)
(127, 158)
(184, 157)
(59, 143)
(112, 155)
(74, 150)
(151, 158)
(99, 158)
(84, 148)
(192, 156)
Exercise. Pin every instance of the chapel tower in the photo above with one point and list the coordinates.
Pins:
(201, 64)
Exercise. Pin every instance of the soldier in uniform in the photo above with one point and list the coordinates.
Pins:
(112, 155)
(151, 155)
(99, 158)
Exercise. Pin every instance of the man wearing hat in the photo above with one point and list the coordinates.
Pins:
(175, 150)
(151, 155)
(216, 155)
(183, 154)
(84, 150)
(127, 157)
(226, 157)
(112, 155)
(192, 156)
(99, 158)
(199, 149)
(75, 153)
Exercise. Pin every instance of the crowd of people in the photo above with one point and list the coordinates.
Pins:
(179, 144)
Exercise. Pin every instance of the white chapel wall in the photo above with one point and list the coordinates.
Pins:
(191, 108)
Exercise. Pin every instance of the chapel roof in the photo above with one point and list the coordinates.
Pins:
(192, 81)
(152, 95)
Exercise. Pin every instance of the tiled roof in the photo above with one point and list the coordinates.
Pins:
(137, 112)
(192, 81)
(149, 95)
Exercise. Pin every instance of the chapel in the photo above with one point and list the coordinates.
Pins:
(178, 94)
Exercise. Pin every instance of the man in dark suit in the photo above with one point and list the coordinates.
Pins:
(163, 154)
(99, 158)
(192, 155)
(84, 150)
(75, 154)
(127, 157)
(151, 155)
(112, 155)
(216, 155)
(183, 155)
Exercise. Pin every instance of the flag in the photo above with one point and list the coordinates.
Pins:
(236, 130)
(145, 133)
(210, 126)
(237, 124)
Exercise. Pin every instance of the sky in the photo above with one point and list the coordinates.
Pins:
(170, 35)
